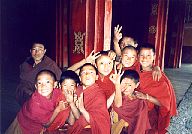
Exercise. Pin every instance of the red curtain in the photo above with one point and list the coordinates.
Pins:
(88, 28)
(160, 40)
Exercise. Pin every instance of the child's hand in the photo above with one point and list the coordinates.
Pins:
(62, 106)
(117, 33)
(140, 95)
(115, 78)
(91, 58)
(69, 95)
(112, 54)
(156, 73)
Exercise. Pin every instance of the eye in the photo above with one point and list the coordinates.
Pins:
(39, 83)
(48, 81)
(83, 72)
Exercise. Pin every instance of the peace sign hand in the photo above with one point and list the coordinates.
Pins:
(116, 77)
(91, 58)
(117, 33)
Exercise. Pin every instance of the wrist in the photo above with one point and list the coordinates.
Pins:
(147, 97)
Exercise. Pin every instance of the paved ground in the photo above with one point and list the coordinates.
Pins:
(181, 79)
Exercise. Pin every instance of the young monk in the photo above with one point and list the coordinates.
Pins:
(125, 41)
(104, 64)
(130, 61)
(94, 116)
(69, 82)
(159, 95)
(129, 108)
(38, 110)
(30, 67)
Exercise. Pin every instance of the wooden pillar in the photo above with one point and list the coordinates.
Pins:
(175, 33)
(62, 32)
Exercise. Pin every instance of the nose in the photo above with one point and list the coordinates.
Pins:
(128, 58)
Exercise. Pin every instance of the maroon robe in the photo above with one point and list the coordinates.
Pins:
(135, 66)
(36, 112)
(163, 91)
(60, 119)
(135, 113)
(96, 106)
(107, 85)
(28, 74)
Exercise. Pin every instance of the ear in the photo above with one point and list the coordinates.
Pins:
(30, 50)
(55, 84)
(137, 84)
(97, 77)
(45, 51)
(36, 86)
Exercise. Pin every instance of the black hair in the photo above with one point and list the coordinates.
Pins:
(69, 74)
(148, 46)
(105, 53)
(88, 64)
(129, 47)
(46, 72)
(39, 42)
(131, 74)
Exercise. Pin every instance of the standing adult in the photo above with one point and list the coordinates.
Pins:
(30, 67)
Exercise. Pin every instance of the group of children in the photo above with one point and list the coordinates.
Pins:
(139, 94)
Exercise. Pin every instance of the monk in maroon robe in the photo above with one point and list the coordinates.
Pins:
(94, 116)
(135, 113)
(132, 110)
(29, 69)
(159, 94)
(163, 91)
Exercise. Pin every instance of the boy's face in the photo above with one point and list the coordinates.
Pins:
(104, 65)
(45, 85)
(88, 75)
(37, 52)
(129, 57)
(128, 86)
(127, 41)
(69, 85)
(146, 57)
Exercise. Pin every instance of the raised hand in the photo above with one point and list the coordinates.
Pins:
(112, 54)
(91, 58)
(117, 33)
(115, 77)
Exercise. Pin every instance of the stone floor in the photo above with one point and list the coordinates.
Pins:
(181, 79)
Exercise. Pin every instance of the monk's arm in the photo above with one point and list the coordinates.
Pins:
(86, 115)
(77, 65)
(117, 48)
(148, 97)
(118, 96)
(110, 100)
(55, 113)
(153, 100)
(74, 110)
(71, 119)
